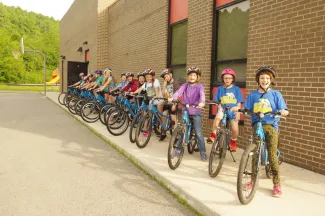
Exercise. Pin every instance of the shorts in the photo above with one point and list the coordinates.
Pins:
(105, 90)
(169, 109)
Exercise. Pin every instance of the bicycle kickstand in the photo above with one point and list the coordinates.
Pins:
(232, 156)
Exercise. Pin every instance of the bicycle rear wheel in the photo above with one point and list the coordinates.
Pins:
(102, 113)
(217, 155)
(248, 174)
(176, 148)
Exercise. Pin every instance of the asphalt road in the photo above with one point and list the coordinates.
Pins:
(50, 164)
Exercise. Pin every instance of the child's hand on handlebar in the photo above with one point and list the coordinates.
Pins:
(284, 112)
(234, 109)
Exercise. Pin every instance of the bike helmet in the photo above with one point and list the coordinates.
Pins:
(164, 72)
(149, 71)
(228, 71)
(108, 69)
(98, 72)
(194, 69)
(264, 69)
(123, 74)
(81, 74)
(127, 74)
(140, 74)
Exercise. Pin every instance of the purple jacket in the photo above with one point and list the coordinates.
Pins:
(191, 95)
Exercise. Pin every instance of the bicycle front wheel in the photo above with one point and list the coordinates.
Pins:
(176, 148)
(217, 155)
(143, 131)
(248, 174)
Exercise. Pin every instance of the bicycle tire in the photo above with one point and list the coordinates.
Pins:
(71, 106)
(192, 143)
(218, 153)
(249, 152)
(123, 127)
(102, 113)
(139, 129)
(61, 98)
(133, 127)
(79, 105)
(86, 117)
(177, 137)
(117, 120)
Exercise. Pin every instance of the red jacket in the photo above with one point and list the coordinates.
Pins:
(131, 86)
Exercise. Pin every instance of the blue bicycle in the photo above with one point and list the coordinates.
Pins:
(142, 110)
(254, 156)
(184, 134)
(221, 144)
(151, 119)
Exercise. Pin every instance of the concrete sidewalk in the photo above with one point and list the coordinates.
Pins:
(304, 191)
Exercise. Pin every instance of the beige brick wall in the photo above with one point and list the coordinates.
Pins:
(133, 35)
(289, 35)
(78, 25)
(199, 46)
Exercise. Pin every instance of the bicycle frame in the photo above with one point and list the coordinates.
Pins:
(157, 114)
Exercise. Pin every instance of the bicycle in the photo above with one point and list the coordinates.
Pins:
(142, 110)
(221, 144)
(119, 117)
(256, 152)
(152, 119)
(184, 134)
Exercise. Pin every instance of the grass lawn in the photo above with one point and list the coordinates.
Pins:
(4, 87)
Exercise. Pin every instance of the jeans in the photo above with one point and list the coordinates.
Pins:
(197, 124)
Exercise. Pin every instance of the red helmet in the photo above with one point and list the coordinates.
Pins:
(228, 71)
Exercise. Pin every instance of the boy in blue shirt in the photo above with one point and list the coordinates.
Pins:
(265, 99)
(228, 95)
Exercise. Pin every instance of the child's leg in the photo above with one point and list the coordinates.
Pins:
(272, 146)
(215, 125)
(197, 123)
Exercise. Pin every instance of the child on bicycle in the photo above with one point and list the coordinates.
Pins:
(167, 92)
(82, 79)
(108, 84)
(230, 96)
(193, 93)
(265, 99)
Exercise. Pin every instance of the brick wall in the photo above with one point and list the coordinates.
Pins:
(289, 35)
(133, 36)
(79, 24)
(199, 45)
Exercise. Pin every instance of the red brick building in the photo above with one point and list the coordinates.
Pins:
(288, 35)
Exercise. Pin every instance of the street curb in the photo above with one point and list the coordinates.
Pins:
(180, 194)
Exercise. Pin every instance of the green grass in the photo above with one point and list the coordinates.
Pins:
(4, 87)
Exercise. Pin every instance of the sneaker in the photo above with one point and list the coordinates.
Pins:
(277, 191)
(211, 138)
(176, 153)
(145, 134)
(233, 145)
(203, 157)
(248, 186)
(162, 136)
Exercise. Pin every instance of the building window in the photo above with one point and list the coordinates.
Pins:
(230, 41)
(177, 40)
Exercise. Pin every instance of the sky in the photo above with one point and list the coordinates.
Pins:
(52, 8)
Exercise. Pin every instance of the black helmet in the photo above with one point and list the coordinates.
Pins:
(264, 68)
